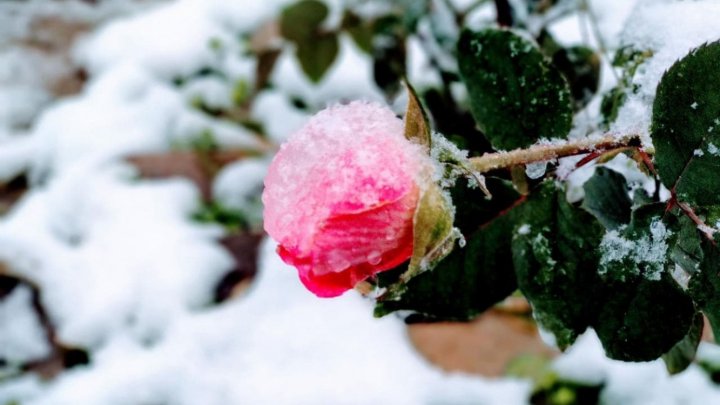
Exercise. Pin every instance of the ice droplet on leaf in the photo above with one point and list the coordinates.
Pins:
(536, 170)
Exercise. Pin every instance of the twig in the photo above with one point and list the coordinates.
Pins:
(594, 26)
(504, 13)
(540, 153)
(701, 225)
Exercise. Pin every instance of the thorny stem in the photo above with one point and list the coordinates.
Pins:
(701, 225)
(592, 146)
(541, 153)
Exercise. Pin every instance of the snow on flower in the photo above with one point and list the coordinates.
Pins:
(341, 194)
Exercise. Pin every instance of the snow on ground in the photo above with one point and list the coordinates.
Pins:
(278, 345)
(33, 54)
(127, 274)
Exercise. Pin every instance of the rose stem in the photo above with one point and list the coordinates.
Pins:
(539, 153)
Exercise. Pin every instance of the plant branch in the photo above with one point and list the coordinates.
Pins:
(540, 153)
(701, 225)
(504, 13)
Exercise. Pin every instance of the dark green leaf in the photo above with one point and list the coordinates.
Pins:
(473, 210)
(581, 67)
(555, 257)
(643, 319)
(611, 103)
(686, 127)
(465, 283)
(683, 353)
(646, 312)
(606, 197)
(516, 96)
(389, 54)
(317, 55)
(687, 250)
(301, 21)
(360, 32)
(704, 285)
(456, 123)
(471, 279)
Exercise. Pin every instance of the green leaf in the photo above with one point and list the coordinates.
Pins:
(683, 353)
(516, 96)
(704, 285)
(555, 260)
(611, 103)
(465, 283)
(581, 67)
(643, 319)
(472, 278)
(360, 31)
(389, 54)
(686, 127)
(607, 199)
(317, 55)
(301, 21)
(473, 210)
(687, 250)
(417, 125)
(646, 312)
(433, 232)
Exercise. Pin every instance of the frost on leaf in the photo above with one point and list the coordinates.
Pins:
(685, 111)
(516, 95)
(553, 247)
(645, 255)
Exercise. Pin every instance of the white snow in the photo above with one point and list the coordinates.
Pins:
(634, 383)
(648, 251)
(22, 338)
(670, 29)
(272, 104)
(279, 344)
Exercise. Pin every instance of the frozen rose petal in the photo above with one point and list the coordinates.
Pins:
(340, 196)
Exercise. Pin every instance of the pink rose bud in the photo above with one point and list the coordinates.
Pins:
(341, 194)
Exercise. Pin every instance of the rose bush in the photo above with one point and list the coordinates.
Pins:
(341, 194)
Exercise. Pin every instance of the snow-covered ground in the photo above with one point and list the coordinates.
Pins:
(126, 273)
